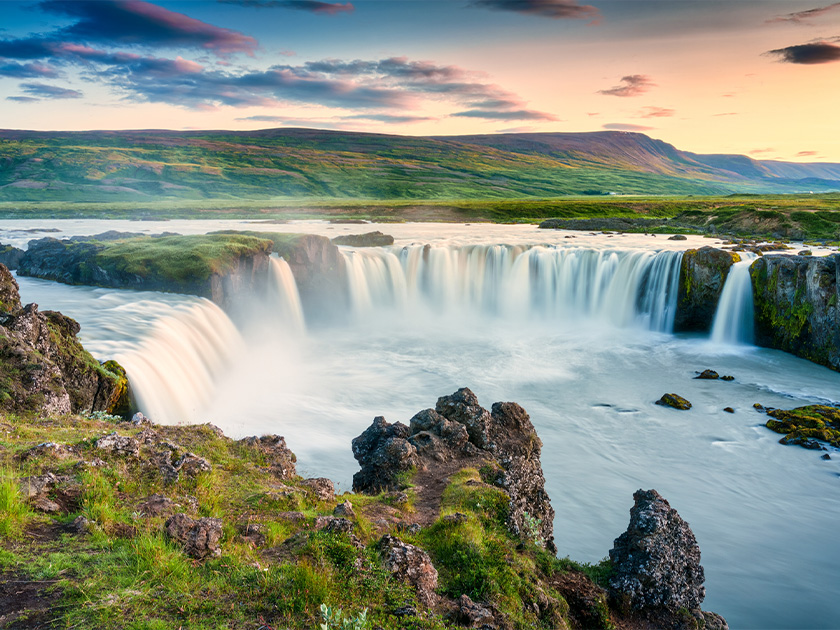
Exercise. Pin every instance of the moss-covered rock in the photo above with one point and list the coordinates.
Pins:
(674, 400)
(802, 426)
(796, 306)
(703, 273)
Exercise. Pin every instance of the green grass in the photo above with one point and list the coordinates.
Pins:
(14, 510)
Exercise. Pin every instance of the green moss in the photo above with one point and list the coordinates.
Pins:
(818, 422)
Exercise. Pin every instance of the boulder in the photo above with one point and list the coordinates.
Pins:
(10, 256)
(334, 525)
(708, 375)
(675, 401)
(656, 561)
(411, 565)
(384, 452)
(119, 445)
(677, 237)
(200, 538)
(321, 487)
(278, 457)
(703, 273)
(473, 615)
(32, 487)
(344, 510)
(370, 239)
(157, 505)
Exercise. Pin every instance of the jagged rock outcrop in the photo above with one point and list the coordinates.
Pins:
(459, 433)
(44, 368)
(10, 256)
(200, 538)
(656, 563)
(412, 565)
(703, 273)
(370, 239)
(277, 456)
(797, 306)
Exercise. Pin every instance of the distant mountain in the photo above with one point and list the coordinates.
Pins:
(147, 165)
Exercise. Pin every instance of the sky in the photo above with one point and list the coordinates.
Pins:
(760, 78)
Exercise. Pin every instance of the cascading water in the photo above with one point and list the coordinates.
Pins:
(617, 287)
(733, 322)
(283, 294)
(174, 369)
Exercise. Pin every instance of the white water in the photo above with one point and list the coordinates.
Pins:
(283, 296)
(765, 515)
(733, 322)
(616, 287)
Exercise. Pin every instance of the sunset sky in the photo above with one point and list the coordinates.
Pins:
(758, 78)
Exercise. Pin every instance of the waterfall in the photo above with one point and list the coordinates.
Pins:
(283, 296)
(733, 322)
(618, 287)
(173, 370)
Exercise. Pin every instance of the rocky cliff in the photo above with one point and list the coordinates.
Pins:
(44, 368)
(796, 306)
(702, 276)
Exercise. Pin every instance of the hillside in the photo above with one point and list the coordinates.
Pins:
(149, 165)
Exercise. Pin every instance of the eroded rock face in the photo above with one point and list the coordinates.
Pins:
(320, 272)
(412, 565)
(370, 239)
(797, 306)
(460, 431)
(657, 560)
(278, 457)
(199, 538)
(702, 276)
(44, 368)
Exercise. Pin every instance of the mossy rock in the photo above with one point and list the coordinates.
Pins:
(674, 400)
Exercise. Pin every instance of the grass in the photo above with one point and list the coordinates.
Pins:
(14, 510)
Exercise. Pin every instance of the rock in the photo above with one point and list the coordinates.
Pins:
(758, 407)
(191, 465)
(138, 419)
(675, 401)
(47, 450)
(804, 442)
(9, 291)
(473, 615)
(80, 525)
(254, 534)
(119, 445)
(294, 517)
(608, 223)
(199, 538)
(157, 505)
(587, 601)
(805, 252)
(122, 530)
(727, 378)
(455, 519)
(321, 487)
(370, 239)
(411, 565)
(31, 487)
(44, 504)
(281, 461)
(729, 410)
(10, 257)
(703, 273)
(707, 375)
(677, 237)
(797, 306)
(344, 510)
(656, 561)
(460, 432)
(826, 456)
(334, 525)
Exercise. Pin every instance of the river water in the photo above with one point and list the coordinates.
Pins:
(765, 515)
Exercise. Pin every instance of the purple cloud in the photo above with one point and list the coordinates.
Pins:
(656, 112)
(555, 9)
(626, 127)
(27, 70)
(521, 114)
(630, 85)
(313, 6)
(23, 99)
(814, 53)
(801, 17)
(806, 154)
(139, 23)
(42, 90)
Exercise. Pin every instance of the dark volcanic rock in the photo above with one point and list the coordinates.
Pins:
(460, 431)
(412, 565)
(371, 239)
(657, 560)
(280, 460)
(199, 538)
(678, 237)
(10, 256)
(675, 401)
(797, 306)
(708, 375)
(702, 275)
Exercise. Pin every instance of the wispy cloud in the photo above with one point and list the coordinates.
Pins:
(806, 154)
(42, 90)
(762, 151)
(808, 54)
(626, 127)
(17, 70)
(313, 6)
(23, 99)
(656, 112)
(390, 119)
(630, 85)
(803, 17)
(520, 114)
(554, 9)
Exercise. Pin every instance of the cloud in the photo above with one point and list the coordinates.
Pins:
(630, 85)
(626, 127)
(391, 119)
(49, 91)
(23, 99)
(524, 129)
(139, 23)
(328, 8)
(555, 9)
(520, 114)
(761, 151)
(726, 114)
(656, 112)
(813, 53)
(806, 154)
(26, 71)
(804, 17)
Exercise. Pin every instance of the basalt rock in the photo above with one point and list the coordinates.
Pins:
(703, 273)
(10, 256)
(44, 368)
(370, 239)
(278, 457)
(675, 401)
(458, 433)
(412, 565)
(797, 306)
(199, 538)
(656, 561)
